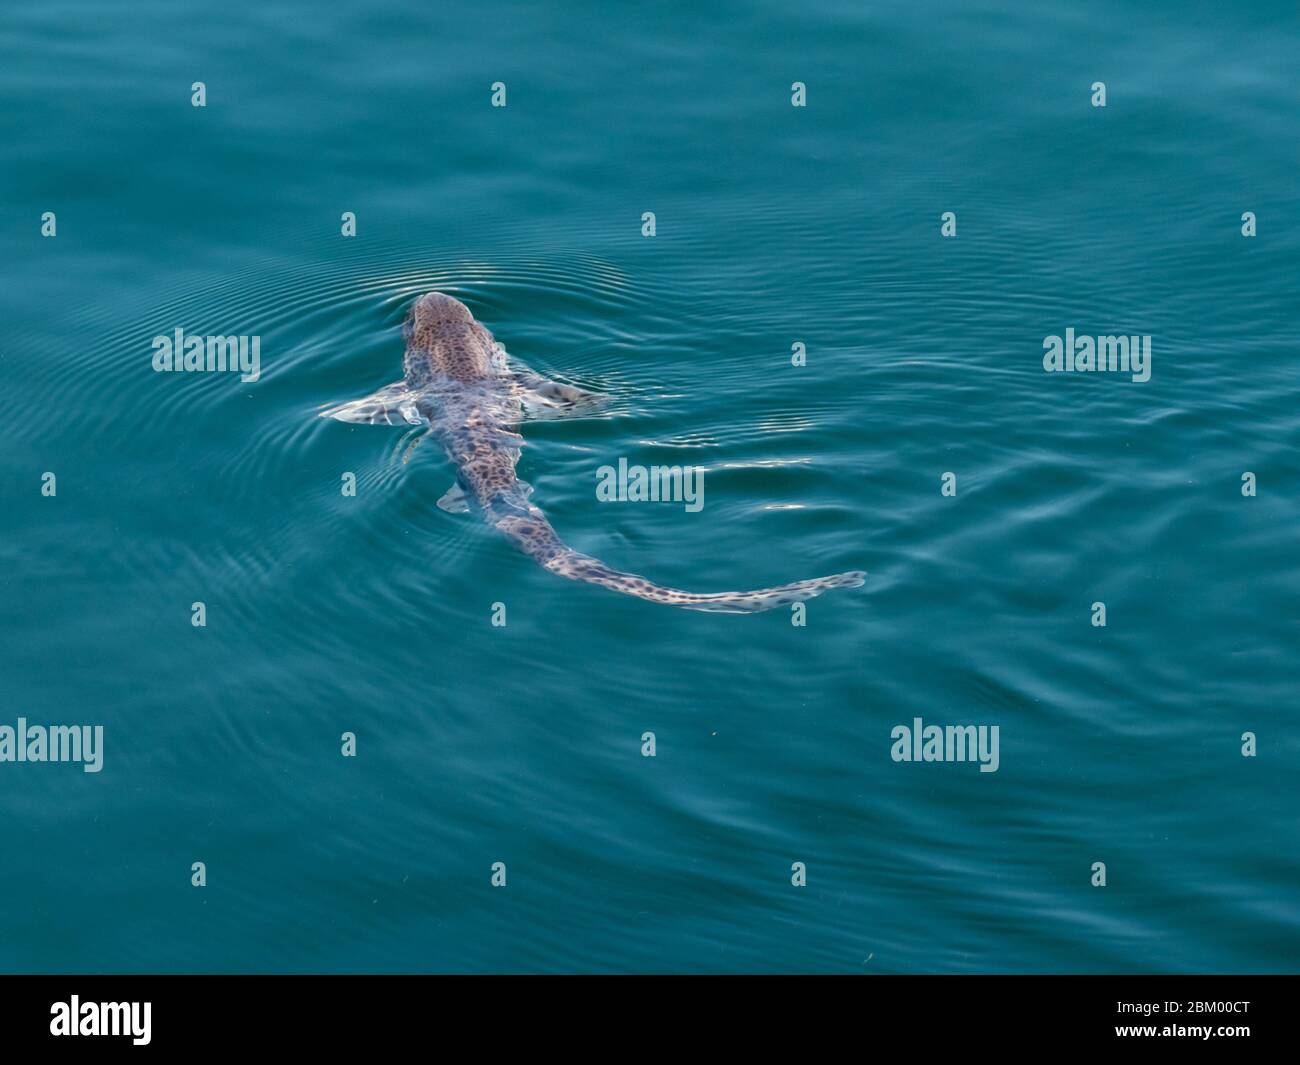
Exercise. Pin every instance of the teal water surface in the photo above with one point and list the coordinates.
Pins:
(774, 225)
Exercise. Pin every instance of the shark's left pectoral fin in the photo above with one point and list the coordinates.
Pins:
(544, 398)
(392, 405)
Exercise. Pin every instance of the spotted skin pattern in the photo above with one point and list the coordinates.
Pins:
(457, 380)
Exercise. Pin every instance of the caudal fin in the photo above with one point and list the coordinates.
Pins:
(512, 515)
(580, 567)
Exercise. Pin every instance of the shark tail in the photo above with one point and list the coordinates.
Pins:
(528, 528)
(581, 567)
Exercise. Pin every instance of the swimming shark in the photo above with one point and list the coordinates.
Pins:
(461, 384)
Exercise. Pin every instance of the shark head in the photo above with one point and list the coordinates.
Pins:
(435, 309)
(443, 340)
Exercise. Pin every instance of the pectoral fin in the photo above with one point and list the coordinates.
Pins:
(392, 405)
(545, 398)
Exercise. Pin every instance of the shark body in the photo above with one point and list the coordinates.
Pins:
(459, 382)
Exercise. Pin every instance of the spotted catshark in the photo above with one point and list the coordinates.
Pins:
(461, 384)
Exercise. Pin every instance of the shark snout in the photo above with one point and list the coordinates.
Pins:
(439, 307)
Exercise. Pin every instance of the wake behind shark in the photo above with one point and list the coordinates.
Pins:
(459, 383)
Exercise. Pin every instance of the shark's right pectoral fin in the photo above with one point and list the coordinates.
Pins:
(392, 405)
(544, 398)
